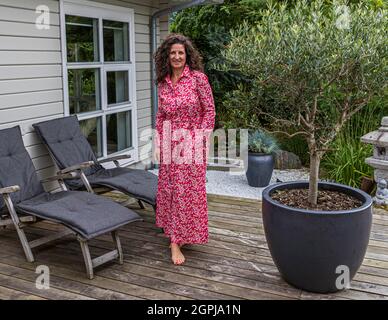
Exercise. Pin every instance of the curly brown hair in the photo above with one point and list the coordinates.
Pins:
(162, 64)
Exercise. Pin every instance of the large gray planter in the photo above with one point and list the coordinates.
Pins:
(313, 249)
(260, 168)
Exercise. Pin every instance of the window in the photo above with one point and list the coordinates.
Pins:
(99, 74)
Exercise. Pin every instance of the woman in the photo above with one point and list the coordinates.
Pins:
(184, 122)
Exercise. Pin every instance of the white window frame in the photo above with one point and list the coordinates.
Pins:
(102, 12)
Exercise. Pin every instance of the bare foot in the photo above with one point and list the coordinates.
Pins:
(176, 254)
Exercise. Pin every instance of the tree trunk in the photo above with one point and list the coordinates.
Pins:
(315, 160)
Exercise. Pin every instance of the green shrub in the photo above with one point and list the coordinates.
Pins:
(311, 71)
(261, 142)
(346, 163)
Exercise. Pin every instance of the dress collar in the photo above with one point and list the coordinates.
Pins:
(185, 73)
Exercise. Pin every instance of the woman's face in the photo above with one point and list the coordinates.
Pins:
(177, 56)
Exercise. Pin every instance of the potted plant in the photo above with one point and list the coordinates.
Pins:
(312, 68)
(260, 158)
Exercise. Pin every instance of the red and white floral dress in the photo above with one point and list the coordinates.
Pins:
(184, 110)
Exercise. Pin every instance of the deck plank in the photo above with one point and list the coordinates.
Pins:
(68, 264)
(26, 271)
(173, 277)
(11, 294)
(235, 264)
(11, 280)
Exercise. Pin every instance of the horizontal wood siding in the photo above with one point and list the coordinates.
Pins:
(31, 87)
(164, 25)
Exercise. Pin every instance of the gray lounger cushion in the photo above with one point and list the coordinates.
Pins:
(139, 183)
(66, 142)
(88, 214)
(85, 213)
(69, 147)
(16, 167)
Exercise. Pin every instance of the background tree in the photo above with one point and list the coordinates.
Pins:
(209, 27)
(311, 68)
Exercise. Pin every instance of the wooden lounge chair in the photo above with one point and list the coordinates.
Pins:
(72, 151)
(23, 200)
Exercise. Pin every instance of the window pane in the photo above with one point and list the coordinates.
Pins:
(84, 90)
(81, 39)
(92, 130)
(116, 46)
(117, 87)
(118, 131)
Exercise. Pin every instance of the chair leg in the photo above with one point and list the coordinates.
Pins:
(116, 240)
(86, 182)
(90, 263)
(140, 204)
(87, 257)
(18, 226)
(25, 245)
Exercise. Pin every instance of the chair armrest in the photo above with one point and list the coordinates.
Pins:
(10, 189)
(115, 159)
(63, 176)
(76, 167)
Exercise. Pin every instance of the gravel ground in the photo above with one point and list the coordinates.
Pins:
(225, 183)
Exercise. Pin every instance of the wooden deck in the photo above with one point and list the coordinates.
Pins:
(236, 264)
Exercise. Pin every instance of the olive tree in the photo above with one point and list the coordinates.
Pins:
(312, 67)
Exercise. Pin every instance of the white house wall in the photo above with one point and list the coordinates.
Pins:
(31, 88)
(30, 73)
(163, 21)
